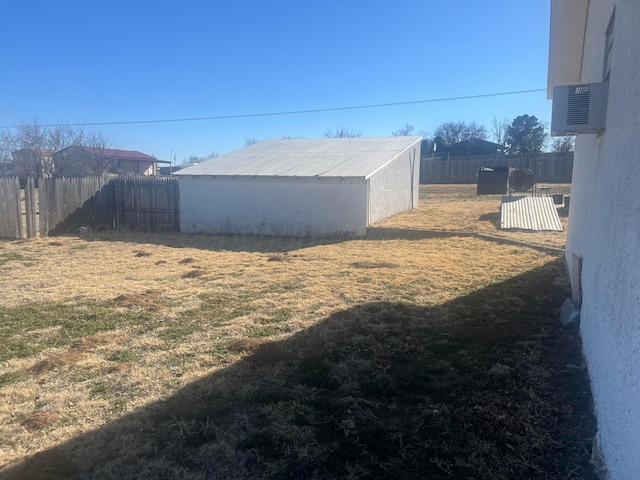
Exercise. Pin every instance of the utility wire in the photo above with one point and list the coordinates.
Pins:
(291, 112)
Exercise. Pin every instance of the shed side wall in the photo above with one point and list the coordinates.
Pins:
(395, 187)
(273, 207)
(604, 229)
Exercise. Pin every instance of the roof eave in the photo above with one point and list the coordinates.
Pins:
(566, 42)
(418, 140)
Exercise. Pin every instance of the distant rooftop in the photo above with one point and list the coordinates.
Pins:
(118, 154)
(321, 157)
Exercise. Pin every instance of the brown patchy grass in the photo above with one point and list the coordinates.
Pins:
(394, 356)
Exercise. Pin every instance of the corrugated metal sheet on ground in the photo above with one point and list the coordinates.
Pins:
(314, 157)
(529, 213)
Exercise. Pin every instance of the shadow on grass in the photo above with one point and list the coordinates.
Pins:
(257, 243)
(485, 386)
(215, 242)
(493, 218)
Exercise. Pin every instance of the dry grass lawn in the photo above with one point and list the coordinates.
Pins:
(406, 354)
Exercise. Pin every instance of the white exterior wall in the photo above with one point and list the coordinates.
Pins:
(604, 229)
(278, 206)
(395, 187)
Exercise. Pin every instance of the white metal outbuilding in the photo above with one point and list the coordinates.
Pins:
(302, 187)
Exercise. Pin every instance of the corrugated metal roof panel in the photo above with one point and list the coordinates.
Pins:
(321, 157)
(529, 213)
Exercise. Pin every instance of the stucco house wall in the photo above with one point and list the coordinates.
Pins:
(308, 187)
(137, 168)
(281, 206)
(395, 187)
(604, 229)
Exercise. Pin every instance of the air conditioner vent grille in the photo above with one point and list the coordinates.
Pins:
(579, 99)
(579, 109)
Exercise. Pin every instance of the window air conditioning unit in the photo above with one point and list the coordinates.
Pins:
(579, 109)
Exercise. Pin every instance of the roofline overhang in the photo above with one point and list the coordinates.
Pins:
(361, 179)
(418, 141)
(566, 42)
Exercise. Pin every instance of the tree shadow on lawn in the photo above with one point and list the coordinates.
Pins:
(485, 386)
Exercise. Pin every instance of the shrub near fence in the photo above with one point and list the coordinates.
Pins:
(549, 167)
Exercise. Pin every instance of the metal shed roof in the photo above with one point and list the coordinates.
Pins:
(322, 157)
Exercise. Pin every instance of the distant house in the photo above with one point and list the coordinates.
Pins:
(471, 146)
(30, 162)
(595, 43)
(82, 161)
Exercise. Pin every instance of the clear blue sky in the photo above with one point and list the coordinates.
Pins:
(70, 61)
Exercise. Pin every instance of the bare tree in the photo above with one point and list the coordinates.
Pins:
(342, 132)
(563, 144)
(454, 132)
(28, 148)
(100, 156)
(499, 129)
(403, 131)
(6, 159)
(250, 141)
(196, 159)
(32, 146)
(475, 130)
(59, 138)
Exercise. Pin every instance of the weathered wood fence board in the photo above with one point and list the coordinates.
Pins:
(104, 203)
(549, 167)
(10, 210)
(30, 208)
(149, 204)
(67, 203)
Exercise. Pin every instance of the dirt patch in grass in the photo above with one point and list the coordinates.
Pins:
(40, 420)
(145, 301)
(374, 265)
(73, 355)
(195, 273)
(406, 355)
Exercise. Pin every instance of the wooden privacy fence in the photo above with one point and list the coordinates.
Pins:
(68, 203)
(10, 208)
(150, 204)
(63, 205)
(549, 167)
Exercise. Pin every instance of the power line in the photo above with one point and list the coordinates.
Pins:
(291, 112)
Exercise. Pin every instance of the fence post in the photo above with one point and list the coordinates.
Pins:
(30, 207)
(176, 206)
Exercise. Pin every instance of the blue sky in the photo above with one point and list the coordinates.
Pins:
(116, 61)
